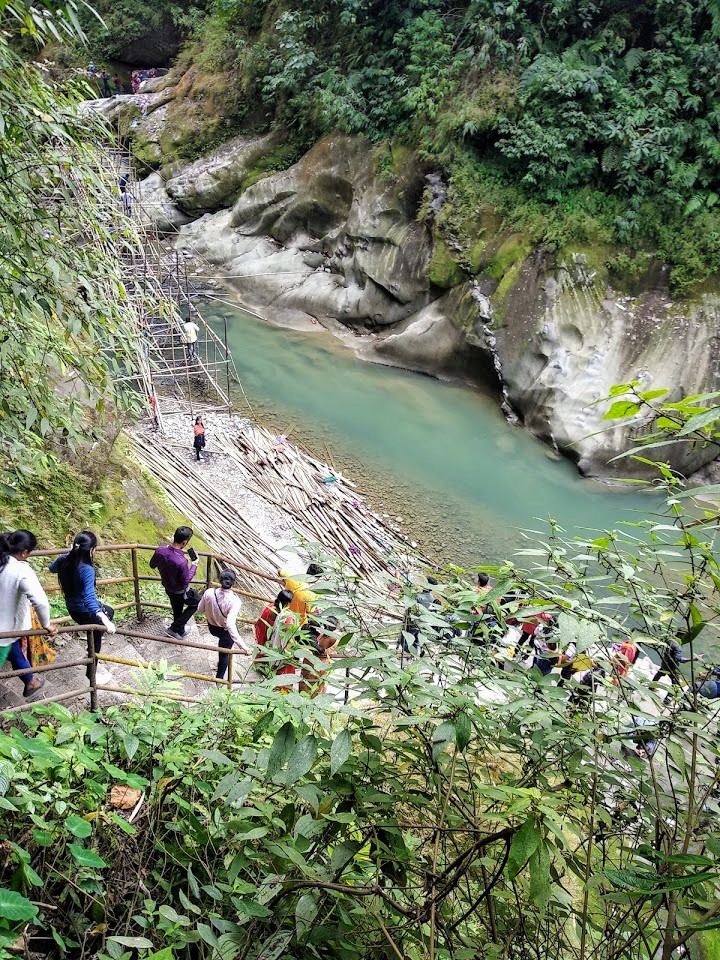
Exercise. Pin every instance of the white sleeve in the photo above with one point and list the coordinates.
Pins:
(32, 588)
(231, 621)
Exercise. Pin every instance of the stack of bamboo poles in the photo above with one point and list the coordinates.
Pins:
(219, 523)
(326, 507)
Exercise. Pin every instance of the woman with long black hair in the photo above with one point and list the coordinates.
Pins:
(20, 590)
(77, 575)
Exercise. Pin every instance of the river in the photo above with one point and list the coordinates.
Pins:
(438, 454)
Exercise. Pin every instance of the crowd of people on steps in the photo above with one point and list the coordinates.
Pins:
(294, 640)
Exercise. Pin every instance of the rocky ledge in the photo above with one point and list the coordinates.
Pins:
(345, 236)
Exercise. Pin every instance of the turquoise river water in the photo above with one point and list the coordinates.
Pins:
(441, 455)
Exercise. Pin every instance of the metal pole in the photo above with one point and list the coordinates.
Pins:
(227, 366)
(138, 606)
(91, 670)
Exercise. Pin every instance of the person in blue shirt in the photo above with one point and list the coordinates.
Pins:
(76, 573)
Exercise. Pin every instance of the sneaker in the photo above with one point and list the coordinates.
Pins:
(35, 686)
(175, 636)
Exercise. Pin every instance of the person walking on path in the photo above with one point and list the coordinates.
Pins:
(221, 608)
(199, 437)
(190, 337)
(105, 80)
(316, 665)
(303, 601)
(176, 576)
(671, 656)
(77, 575)
(266, 621)
(20, 590)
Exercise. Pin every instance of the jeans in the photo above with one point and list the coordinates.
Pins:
(84, 616)
(19, 662)
(14, 654)
(224, 640)
(183, 606)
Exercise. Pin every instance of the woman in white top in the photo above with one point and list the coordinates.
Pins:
(20, 590)
(221, 608)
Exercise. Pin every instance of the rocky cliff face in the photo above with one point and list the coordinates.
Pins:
(338, 237)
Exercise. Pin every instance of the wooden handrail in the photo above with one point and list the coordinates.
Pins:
(114, 547)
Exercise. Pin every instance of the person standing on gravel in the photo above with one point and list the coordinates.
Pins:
(176, 575)
(199, 437)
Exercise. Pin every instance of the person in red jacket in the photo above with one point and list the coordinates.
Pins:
(266, 621)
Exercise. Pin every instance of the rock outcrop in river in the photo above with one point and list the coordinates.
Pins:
(345, 235)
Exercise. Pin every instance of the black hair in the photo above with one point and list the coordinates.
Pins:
(69, 565)
(483, 579)
(227, 575)
(433, 581)
(283, 599)
(14, 543)
(198, 419)
(182, 534)
(315, 570)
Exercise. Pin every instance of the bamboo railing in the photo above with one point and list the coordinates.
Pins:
(90, 661)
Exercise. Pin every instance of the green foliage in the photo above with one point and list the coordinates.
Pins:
(110, 28)
(585, 122)
(69, 325)
(444, 802)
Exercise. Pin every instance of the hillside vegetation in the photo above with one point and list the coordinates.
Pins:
(584, 123)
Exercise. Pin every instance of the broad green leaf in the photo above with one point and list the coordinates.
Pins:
(85, 857)
(540, 876)
(226, 784)
(274, 947)
(281, 748)
(524, 844)
(15, 907)
(306, 910)
(135, 943)
(78, 827)
(301, 759)
(340, 751)
(622, 409)
(700, 421)
(442, 737)
(463, 731)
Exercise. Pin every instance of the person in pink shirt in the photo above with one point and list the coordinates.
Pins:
(221, 608)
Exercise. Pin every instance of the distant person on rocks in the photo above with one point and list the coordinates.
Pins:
(117, 85)
(671, 656)
(125, 195)
(622, 656)
(176, 576)
(199, 437)
(221, 608)
(190, 336)
(76, 573)
(304, 599)
(134, 81)
(587, 683)
(105, 80)
(20, 590)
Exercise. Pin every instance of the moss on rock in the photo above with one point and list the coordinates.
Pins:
(443, 270)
